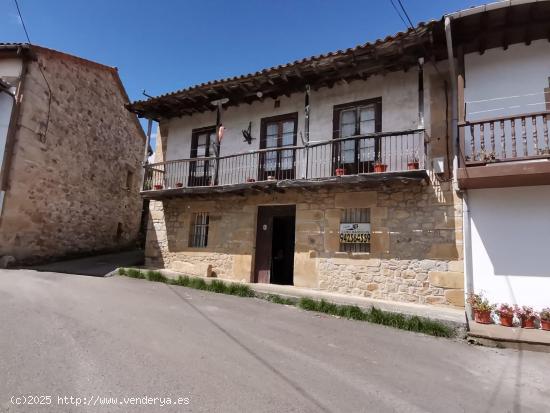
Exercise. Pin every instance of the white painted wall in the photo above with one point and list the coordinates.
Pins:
(398, 90)
(510, 244)
(507, 82)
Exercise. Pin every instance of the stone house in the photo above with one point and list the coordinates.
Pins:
(503, 88)
(332, 172)
(70, 156)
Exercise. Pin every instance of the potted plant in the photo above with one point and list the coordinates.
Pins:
(481, 308)
(380, 167)
(250, 180)
(545, 319)
(506, 315)
(158, 186)
(340, 171)
(271, 178)
(413, 164)
(179, 185)
(526, 315)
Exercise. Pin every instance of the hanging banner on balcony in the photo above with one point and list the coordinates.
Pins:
(355, 233)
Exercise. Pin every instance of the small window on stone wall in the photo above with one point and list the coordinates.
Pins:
(355, 230)
(199, 230)
(129, 179)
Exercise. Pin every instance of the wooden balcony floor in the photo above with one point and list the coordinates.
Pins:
(368, 180)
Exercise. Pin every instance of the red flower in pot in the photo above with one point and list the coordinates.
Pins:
(412, 165)
(545, 319)
(506, 315)
(526, 315)
(157, 186)
(481, 308)
(340, 171)
(179, 185)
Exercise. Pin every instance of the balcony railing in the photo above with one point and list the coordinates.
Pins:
(507, 138)
(381, 152)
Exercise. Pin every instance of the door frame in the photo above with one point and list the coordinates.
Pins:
(264, 240)
(357, 166)
(262, 175)
(205, 180)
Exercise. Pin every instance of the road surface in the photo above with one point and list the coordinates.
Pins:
(137, 345)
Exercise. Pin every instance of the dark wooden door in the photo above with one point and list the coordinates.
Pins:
(200, 171)
(274, 259)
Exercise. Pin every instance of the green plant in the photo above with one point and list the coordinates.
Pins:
(133, 273)
(479, 303)
(121, 271)
(525, 313)
(277, 299)
(155, 276)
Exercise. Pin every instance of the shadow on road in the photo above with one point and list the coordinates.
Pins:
(97, 266)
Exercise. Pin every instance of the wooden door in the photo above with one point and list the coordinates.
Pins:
(276, 133)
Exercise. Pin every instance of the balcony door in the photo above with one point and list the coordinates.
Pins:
(200, 171)
(276, 133)
(354, 120)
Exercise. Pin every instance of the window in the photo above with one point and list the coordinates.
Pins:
(199, 230)
(129, 179)
(352, 120)
(278, 132)
(355, 230)
(200, 171)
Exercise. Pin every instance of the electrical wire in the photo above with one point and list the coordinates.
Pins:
(41, 71)
(398, 13)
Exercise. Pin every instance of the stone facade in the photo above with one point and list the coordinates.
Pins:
(416, 245)
(75, 189)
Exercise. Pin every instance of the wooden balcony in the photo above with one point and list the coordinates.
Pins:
(372, 159)
(505, 152)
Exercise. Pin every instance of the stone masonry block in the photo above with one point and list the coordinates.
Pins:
(446, 279)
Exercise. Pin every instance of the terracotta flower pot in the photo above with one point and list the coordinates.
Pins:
(340, 171)
(250, 180)
(528, 322)
(507, 320)
(179, 185)
(545, 325)
(412, 166)
(483, 317)
(380, 167)
(157, 187)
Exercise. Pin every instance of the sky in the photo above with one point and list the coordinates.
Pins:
(165, 45)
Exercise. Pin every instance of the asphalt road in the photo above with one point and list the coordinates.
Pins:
(91, 338)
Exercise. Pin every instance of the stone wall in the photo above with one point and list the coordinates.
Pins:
(67, 189)
(416, 245)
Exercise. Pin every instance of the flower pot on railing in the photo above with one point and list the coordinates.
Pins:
(411, 166)
(271, 178)
(380, 167)
(157, 186)
(526, 315)
(507, 320)
(528, 322)
(179, 185)
(250, 180)
(340, 171)
(545, 325)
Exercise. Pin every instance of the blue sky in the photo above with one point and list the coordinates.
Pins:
(165, 45)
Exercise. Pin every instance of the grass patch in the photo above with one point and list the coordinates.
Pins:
(215, 286)
(277, 299)
(377, 316)
(352, 312)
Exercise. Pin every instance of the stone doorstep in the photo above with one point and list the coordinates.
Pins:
(451, 316)
(495, 335)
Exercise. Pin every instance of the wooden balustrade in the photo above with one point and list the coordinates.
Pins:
(518, 138)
